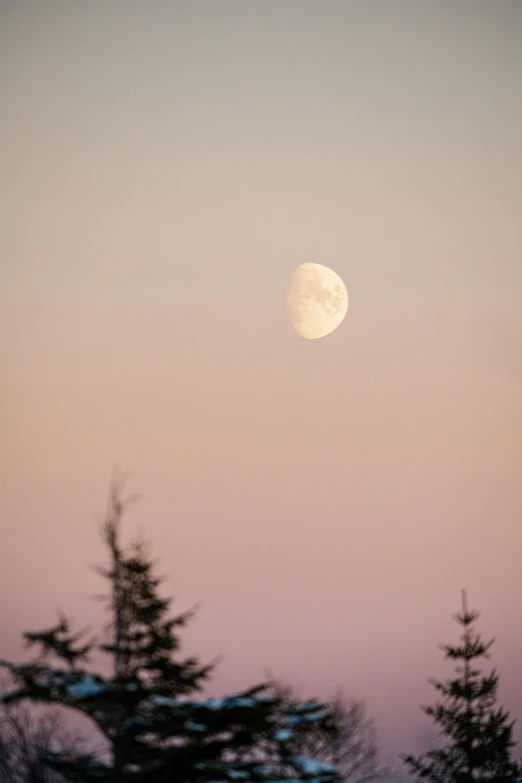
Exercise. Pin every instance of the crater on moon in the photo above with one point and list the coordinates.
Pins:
(317, 300)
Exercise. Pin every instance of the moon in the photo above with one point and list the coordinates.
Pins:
(317, 300)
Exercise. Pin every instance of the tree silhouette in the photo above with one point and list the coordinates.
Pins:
(352, 745)
(478, 733)
(25, 736)
(155, 728)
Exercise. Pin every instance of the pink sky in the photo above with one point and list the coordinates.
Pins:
(167, 165)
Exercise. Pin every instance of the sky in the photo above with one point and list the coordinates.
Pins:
(166, 166)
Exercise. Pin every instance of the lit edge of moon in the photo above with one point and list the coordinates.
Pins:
(316, 302)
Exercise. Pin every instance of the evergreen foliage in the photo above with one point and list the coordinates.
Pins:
(351, 747)
(479, 735)
(25, 734)
(146, 709)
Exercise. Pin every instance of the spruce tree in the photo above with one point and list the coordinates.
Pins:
(478, 734)
(155, 728)
(351, 747)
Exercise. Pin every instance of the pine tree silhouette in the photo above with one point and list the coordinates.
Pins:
(478, 733)
(155, 731)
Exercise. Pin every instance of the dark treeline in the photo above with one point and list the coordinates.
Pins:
(158, 728)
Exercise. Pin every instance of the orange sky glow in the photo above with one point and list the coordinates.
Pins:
(166, 166)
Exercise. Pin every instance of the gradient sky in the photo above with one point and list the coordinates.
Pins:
(165, 166)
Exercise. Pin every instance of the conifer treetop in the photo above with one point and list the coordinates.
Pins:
(478, 734)
(155, 724)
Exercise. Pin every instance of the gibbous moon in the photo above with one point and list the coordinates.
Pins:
(317, 300)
